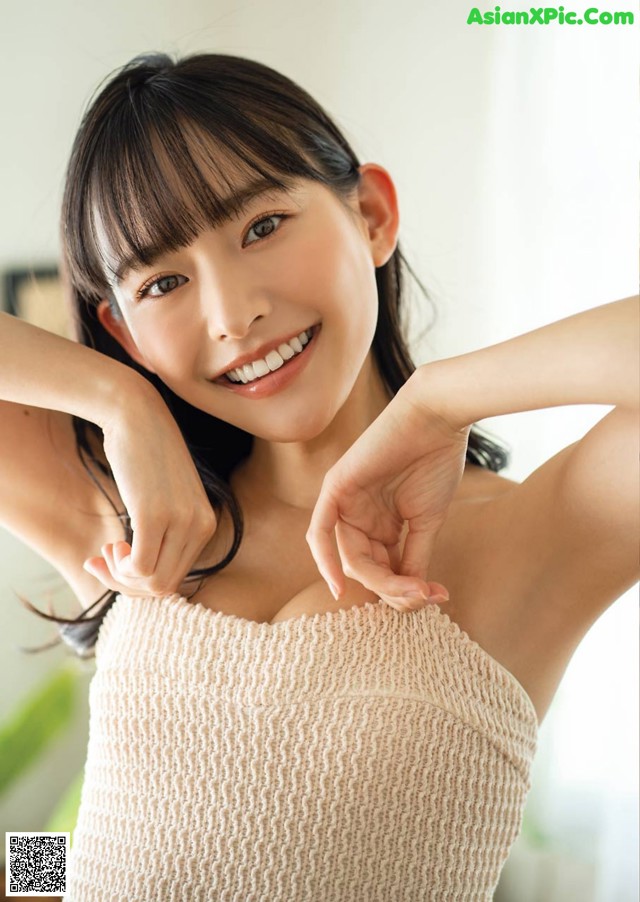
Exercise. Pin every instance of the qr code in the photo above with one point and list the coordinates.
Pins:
(36, 864)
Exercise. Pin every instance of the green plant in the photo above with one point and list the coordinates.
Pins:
(29, 730)
(64, 816)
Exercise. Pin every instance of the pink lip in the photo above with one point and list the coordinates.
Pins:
(257, 353)
(276, 380)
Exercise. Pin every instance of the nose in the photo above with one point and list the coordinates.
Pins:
(234, 329)
(231, 304)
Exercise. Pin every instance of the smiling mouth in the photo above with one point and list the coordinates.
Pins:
(276, 379)
(273, 362)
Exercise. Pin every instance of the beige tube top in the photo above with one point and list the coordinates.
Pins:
(360, 755)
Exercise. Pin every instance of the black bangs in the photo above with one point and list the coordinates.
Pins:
(176, 156)
(156, 191)
(160, 177)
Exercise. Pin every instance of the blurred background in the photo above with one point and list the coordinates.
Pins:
(514, 151)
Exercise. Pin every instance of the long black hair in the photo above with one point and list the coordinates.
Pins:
(145, 147)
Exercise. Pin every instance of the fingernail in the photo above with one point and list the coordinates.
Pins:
(438, 599)
(334, 591)
(415, 595)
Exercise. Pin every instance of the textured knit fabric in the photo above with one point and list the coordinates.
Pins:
(361, 755)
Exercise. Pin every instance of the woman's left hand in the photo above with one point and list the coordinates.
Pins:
(395, 482)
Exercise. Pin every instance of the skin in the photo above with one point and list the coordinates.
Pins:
(318, 265)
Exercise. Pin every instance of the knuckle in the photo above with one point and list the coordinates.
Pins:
(349, 570)
(208, 520)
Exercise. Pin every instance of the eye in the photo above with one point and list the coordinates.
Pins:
(259, 227)
(158, 288)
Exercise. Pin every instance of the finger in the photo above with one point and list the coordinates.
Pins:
(388, 558)
(119, 581)
(176, 558)
(106, 570)
(417, 553)
(122, 556)
(146, 545)
(357, 558)
(416, 557)
(98, 568)
(175, 562)
(171, 564)
(380, 553)
(321, 541)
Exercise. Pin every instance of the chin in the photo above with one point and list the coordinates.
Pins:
(294, 432)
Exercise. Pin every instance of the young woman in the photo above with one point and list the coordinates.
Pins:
(332, 629)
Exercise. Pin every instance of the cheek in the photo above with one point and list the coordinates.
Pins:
(169, 351)
(340, 275)
(357, 298)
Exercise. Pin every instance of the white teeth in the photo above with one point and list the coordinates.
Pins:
(273, 361)
(286, 352)
(260, 367)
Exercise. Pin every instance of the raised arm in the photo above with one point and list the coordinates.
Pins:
(41, 369)
(42, 498)
(47, 499)
(589, 358)
(569, 531)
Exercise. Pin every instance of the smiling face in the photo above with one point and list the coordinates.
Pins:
(289, 260)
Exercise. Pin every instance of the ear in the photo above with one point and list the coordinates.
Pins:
(378, 204)
(116, 326)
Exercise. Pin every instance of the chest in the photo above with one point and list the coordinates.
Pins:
(274, 577)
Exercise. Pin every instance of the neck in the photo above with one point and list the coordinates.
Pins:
(290, 474)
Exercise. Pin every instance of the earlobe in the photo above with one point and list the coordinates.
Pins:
(379, 206)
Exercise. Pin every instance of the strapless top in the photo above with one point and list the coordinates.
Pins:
(360, 755)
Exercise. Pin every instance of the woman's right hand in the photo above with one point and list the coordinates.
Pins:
(171, 516)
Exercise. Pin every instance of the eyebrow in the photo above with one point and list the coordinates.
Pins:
(229, 207)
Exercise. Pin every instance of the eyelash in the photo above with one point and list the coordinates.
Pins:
(143, 291)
